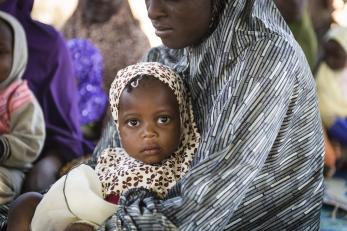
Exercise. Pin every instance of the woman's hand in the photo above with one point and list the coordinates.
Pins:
(79, 227)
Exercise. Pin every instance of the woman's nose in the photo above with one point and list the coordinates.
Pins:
(155, 9)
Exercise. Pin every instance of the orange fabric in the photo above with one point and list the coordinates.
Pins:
(330, 154)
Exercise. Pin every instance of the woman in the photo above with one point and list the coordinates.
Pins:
(111, 26)
(259, 165)
(50, 76)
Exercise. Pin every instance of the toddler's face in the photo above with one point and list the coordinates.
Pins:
(6, 50)
(335, 56)
(149, 121)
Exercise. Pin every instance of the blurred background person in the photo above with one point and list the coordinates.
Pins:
(331, 81)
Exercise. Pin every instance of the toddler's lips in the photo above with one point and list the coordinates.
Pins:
(151, 150)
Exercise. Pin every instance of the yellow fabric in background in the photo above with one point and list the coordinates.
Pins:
(332, 104)
(53, 12)
(57, 12)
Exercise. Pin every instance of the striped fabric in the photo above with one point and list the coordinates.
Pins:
(3, 216)
(259, 166)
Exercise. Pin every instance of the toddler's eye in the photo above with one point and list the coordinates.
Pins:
(164, 119)
(133, 123)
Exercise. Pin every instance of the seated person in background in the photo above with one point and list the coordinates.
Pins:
(296, 15)
(50, 76)
(153, 114)
(331, 80)
(22, 128)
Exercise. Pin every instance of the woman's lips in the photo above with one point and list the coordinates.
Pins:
(162, 31)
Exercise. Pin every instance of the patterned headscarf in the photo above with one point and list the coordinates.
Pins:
(117, 170)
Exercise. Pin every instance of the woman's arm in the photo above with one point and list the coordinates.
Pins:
(239, 139)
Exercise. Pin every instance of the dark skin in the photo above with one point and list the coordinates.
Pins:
(180, 23)
(100, 11)
(291, 10)
(335, 56)
(6, 50)
(22, 211)
(150, 127)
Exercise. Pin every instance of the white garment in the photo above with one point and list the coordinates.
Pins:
(75, 197)
(332, 103)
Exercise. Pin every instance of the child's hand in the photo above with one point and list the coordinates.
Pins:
(79, 227)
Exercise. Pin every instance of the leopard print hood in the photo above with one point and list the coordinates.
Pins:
(117, 170)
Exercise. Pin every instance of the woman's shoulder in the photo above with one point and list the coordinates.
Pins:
(276, 50)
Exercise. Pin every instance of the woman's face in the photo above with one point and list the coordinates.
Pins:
(335, 56)
(180, 23)
(6, 50)
(99, 11)
(149, 121)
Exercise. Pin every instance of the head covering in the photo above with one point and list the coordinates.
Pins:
(88, 66)
(159, 178)
(20, 50)
(259, 162)
(49, 74)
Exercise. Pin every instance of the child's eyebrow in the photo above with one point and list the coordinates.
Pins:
(127, 114)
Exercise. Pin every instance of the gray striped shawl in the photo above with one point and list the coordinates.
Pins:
(259, 165)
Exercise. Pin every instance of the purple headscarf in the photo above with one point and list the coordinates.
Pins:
(50, 76)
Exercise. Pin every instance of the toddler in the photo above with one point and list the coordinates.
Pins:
(153, 114)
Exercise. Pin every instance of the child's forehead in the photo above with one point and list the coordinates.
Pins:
(147, 83)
